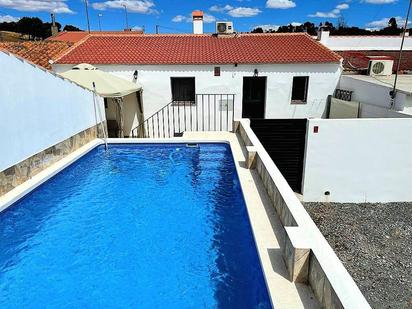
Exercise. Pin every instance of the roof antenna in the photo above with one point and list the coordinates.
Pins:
(87, 14)
(127, 19)
(393, 92)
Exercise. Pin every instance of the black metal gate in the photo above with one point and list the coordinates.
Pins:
(284, 140)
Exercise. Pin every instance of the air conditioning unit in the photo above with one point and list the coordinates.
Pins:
(380, 66)
(224, 27)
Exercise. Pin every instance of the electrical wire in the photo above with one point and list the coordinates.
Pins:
(174, 29)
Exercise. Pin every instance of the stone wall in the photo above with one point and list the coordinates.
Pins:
(24, 170)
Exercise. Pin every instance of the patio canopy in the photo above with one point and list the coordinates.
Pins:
(107, 85)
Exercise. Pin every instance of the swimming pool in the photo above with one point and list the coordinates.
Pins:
(144, 225)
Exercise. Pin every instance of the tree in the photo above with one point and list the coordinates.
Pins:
(329, 26)
(351, 31)
(342, 28)
(341, 22)
(257, 30)
(73, 28)
(11, 26)
(46, 29)
(392, 23)
(285, 29)
(392, 28)
(32, 26)
(309, 28)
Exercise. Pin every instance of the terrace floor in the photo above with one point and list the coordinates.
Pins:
(374, 243)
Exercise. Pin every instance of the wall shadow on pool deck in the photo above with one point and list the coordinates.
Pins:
(15, 175)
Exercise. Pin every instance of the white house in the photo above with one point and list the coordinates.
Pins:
(270, 75)
(357, 50)
(364, 42)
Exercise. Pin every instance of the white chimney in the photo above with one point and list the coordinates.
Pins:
(323, 36)
(197, 22)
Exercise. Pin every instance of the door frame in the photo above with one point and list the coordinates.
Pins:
(265, 93)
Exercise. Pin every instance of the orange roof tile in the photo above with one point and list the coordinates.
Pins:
(76, 36)
(198, 49)
(197, 13)
(38, 52)
(69, 36)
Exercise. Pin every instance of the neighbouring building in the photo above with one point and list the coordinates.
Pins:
(37, 52)
(77, 36)
(356, 50)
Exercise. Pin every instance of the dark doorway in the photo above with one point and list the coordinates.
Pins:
(284, 141)
(254, 97)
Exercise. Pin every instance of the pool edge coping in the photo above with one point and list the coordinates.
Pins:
(26, 187)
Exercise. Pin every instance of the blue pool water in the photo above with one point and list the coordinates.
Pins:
(146, 226)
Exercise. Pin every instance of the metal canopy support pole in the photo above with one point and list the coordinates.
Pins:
(100, 116)
(140, 117)
(119, 102)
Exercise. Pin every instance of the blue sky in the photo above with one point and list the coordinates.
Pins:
(174, 15)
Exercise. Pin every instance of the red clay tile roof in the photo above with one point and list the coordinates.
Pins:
(358, 60)
(198, 49)
(37, 52)
(76, 36)
(69, 36)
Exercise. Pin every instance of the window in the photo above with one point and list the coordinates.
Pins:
(300, 89)
(217, 71)
(183, 89)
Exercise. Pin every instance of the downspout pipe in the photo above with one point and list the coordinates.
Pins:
(393, 92)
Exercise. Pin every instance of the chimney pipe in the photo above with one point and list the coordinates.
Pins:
(197, 22)
(54, 29)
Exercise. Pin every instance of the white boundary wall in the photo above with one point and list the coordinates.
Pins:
(371, 93)
(155, 80)
(358, 160)
(362, 42)
(340, 109)
(38, 110)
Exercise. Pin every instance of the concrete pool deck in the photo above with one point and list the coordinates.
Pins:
(272, 235)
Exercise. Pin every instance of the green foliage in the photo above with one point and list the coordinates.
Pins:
(342, 29)
(34, 27)
(71, 28)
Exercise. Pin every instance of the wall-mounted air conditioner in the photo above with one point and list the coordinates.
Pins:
(224, 27)
(380, 67)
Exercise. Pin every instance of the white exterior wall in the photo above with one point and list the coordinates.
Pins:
(38, 110)
(130, 111)
(347, 43)
(373, 94)
(358, 160)
(155, 80)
